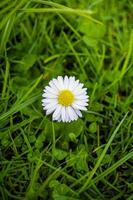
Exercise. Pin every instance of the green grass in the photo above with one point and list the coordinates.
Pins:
(87, 159)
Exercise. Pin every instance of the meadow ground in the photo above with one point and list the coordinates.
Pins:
(87, 159)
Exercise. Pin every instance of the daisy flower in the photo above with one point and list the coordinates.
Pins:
(65, 98)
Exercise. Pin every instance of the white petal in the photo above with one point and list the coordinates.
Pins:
(57, 117)
(66, 82)
(75, 115)
(80, 103)
(50, 105)
(78, 91)
(52, 85)
(60, 82)
(45, 104)
(69, 110)
(80, 88)
(81, 97)
(78, 112)
(75, 85)
(81, 85)
(50, 110)
(57, 111)
(50, 90)
(71, 113)
(56, 83)
(67, 116)
(81, 100)
(71, 82)
(59, 120)
(63, 111)
(49, 95)
(79, 107)
(47, 100)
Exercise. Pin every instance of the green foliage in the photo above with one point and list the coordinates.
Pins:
(93, 127)
(59, 154)
(92, 32)
(92, 157)
(61, 191)
(78, 159)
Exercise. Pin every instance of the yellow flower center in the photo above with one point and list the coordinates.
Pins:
(66, 98)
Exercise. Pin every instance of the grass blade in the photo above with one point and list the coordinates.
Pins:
(91, 174)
